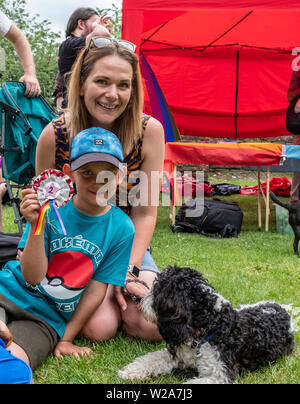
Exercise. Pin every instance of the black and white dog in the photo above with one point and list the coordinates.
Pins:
(204, 332)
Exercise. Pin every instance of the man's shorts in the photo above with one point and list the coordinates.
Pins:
(37, 338)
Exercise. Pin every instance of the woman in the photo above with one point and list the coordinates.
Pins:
(105, 90)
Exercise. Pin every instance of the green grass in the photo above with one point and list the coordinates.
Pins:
(255, 266)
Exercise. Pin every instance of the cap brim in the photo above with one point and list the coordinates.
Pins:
(95, 157)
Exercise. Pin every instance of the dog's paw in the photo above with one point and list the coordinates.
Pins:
(131, 372)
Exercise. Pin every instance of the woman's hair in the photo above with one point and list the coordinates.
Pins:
(128, 126)
(83, 13)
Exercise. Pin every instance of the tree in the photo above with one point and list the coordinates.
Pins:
(44, 45)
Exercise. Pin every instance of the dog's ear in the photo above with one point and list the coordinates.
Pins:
(175, 332)
(174, 320)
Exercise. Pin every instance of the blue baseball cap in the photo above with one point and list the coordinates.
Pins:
(95, 144)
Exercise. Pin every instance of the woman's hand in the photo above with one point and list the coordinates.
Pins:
(30, 207)
(66, 348)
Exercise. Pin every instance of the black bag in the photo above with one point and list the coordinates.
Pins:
(293, 119)
(8, 247)
(225, 189)
(217, 219)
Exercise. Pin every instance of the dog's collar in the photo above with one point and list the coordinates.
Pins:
(195, 342)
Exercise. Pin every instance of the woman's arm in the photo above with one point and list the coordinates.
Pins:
(144, 217)
(45, 151)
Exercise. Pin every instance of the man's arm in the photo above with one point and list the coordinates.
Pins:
(90, 300)
(18, 39)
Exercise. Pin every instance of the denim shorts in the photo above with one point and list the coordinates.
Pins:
(148, 263)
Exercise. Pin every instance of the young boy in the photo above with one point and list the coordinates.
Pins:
(49, 296)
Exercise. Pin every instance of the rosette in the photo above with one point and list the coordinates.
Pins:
(54, 189)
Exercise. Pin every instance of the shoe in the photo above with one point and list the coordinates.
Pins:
(5, 334)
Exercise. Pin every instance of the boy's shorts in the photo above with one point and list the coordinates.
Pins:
(37, 338)
(148, 263)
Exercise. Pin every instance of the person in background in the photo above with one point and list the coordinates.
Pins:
(22, 47)
(11, 32)
(293, 92)
(82, 25)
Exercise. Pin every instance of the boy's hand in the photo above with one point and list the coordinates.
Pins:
(30, 207)
(64, 348)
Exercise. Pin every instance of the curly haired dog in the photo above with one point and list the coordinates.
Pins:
(204, 332)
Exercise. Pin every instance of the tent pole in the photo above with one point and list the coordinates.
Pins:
(259, 199)
(268, 199)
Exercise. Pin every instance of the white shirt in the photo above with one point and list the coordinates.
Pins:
(5, 24)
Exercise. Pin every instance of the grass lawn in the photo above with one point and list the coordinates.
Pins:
(256, 266)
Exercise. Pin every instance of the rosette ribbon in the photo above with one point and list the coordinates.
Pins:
(54, 189)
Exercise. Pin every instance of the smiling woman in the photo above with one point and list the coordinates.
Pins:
(105, 90)
(106, 95)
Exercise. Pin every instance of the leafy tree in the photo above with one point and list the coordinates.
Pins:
(44, 45)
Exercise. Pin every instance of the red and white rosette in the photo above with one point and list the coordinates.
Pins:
(54, 189)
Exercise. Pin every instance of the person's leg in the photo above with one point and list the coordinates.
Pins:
(5, 334)
(105, 322)
(134, 323)
(296, 176)
(19, 352)
(10, 359)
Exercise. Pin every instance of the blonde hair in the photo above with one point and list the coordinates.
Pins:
(127, 127)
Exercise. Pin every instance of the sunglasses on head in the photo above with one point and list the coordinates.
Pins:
(99, 41)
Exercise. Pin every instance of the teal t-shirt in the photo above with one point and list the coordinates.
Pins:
(95, 248)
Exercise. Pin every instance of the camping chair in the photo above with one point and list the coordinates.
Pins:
(22, 120)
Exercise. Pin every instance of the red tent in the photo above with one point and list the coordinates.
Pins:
(223, 67)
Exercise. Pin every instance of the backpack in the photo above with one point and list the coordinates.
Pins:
(215, 219)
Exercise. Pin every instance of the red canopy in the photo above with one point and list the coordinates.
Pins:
(224, 67)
